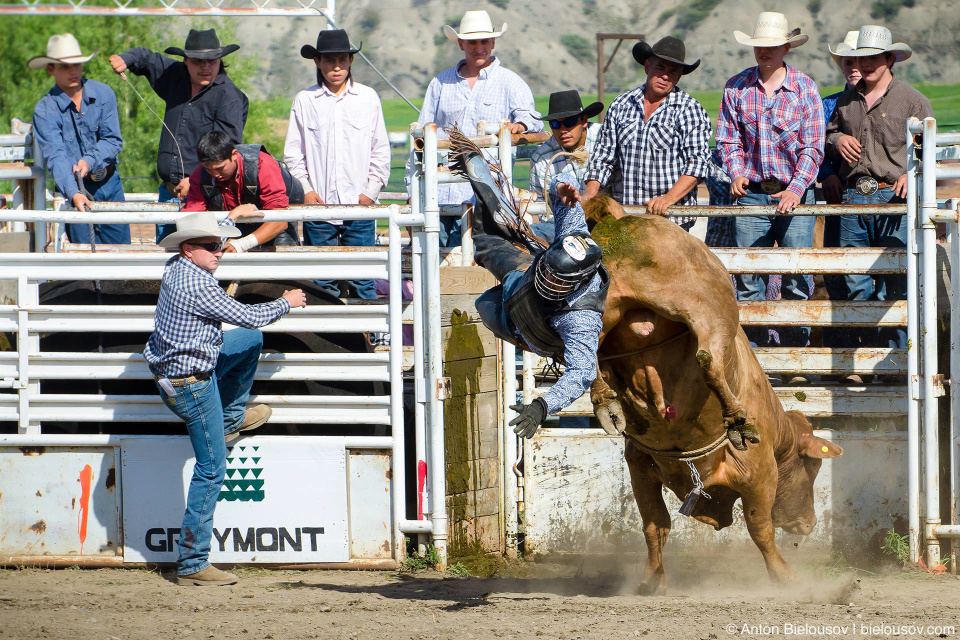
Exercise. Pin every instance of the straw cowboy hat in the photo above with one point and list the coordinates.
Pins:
(850, 40)
(61, 49)
(198, 225)
(202, 45)
(668, 48)
(870, 41)
(329, 41)
(771, 31)
(476, 25)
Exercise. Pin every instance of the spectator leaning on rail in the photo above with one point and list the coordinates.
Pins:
(337, 148)
(827, 177)
(867, 133)
(78, 131)
(242, 180)
(478, 89)
(653, 146)
(199, 98)
(204, 374)
(568, 151)
(770, 135)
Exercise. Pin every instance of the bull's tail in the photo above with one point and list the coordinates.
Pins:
(599, 207)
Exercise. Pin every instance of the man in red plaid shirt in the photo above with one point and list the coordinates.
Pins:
(770, 135)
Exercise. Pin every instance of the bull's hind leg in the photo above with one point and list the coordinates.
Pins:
(714, 347)
(648, 492)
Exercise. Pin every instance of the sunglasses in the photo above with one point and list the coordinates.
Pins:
(212, 247)
(572, 121)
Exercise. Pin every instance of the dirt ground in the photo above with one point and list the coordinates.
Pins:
(708, 598)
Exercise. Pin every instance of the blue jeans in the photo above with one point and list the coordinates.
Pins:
(875, 231)
(165, 229)
(352, 233)
(212, 408)
(763, 231)
(110, 190)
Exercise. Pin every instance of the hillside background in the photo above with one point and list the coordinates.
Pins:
(552, 43)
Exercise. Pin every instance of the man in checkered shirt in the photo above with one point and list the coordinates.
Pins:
(653, 147)
(770, 134)
(204, 374)
(478, 89)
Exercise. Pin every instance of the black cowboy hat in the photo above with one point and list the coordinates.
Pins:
(202, 45)
(565, 104)
(329, 41)
(668, 48)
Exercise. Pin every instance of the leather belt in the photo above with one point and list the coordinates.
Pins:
(101, 175)
(771, 186)
(867, 185)
(193, 379)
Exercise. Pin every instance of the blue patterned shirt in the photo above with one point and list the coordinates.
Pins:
(498, 94)
(580, 329)
(65, 136)
(187, 333)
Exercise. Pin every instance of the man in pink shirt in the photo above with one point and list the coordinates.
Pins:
(243, 179)
(770, 135)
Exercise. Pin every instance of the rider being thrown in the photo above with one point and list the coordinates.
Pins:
(550, 303)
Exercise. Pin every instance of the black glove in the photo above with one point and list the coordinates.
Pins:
(530, 418)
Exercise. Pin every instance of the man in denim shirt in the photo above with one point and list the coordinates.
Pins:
(78, 131)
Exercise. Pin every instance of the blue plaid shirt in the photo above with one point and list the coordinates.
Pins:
(187, 333)
(580, 329)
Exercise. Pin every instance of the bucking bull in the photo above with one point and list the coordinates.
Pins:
(679, 380)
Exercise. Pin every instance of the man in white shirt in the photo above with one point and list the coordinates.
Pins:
(478, 89)
(337, 147)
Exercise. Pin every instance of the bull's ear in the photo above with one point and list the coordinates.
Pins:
(810, 446)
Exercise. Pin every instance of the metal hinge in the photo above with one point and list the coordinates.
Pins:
(444, 388)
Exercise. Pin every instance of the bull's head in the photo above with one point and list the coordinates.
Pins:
(797, 470)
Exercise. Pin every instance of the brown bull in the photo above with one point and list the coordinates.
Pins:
(678, 373)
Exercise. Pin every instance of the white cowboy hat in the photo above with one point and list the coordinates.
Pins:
(476, 25)
(198, 225)
(62, 49)
(870, 41)
(850, 40)
(771, 31)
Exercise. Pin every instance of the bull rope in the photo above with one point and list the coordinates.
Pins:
(647, 348)
(681, 456)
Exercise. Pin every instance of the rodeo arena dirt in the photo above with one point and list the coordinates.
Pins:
(702, 486)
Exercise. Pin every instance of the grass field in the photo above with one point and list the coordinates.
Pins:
(268, 118)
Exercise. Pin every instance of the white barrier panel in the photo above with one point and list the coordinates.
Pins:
(282, 500)
(59, 505)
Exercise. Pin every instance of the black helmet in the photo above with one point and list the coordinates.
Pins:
(566, 266)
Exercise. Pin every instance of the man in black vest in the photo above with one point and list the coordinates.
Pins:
(550, 303)
(243, 179)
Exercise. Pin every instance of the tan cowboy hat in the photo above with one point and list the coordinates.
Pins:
(870, 41)
(198, 225)
(476, 25)
(61, 49)
(771, 31)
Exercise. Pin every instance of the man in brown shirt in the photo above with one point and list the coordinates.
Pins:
(867, 132)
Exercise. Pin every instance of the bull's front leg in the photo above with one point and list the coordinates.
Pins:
(757, 499)
(606, 406)
(648, 492)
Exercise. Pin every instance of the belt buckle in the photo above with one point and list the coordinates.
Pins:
(867, 186)
(770, 186)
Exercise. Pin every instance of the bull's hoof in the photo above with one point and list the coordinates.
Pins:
(651, 586)
(704, 359)
(610, 415)
(740, 435)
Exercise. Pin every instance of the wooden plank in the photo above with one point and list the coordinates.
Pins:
(472, 375)
(465, 280)
(845, 313)
(467, 340)
(812, 261)
(458, 308)
(866, 401)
